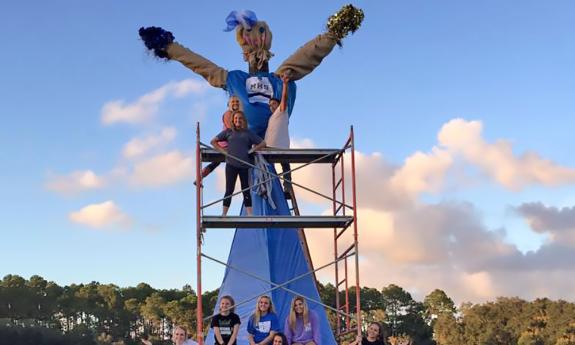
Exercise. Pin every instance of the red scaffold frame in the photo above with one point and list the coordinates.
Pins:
(340, 221)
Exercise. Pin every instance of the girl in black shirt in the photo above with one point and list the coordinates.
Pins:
(227, 323)
(374, 336)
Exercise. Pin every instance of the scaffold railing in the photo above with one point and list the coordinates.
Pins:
(342, 220)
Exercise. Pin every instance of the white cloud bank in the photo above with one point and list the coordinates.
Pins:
(497, 160)
(100, 216)
(162, 170)
(145, 108)
(422, 246)
(75, 182)
(138, 147)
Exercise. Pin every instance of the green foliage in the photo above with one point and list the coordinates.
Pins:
(90, 313)
(36, 311)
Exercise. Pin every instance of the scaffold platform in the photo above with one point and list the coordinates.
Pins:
(242, 222)
(280, 156)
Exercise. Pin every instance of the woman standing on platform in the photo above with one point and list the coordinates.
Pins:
(277, 133)
(374, 336)
(234, 105)
(263, 324)
(302, 324)
(240, 141)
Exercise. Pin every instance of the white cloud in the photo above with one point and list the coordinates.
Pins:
(446, 245)
(497, 160)
(146, 107)
(75, 182)
(161, 170)
(422, 172)
(103, 215)
(138, 147)
(559, 223)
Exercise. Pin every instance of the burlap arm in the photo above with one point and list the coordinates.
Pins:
(308, 57)
(214, 74)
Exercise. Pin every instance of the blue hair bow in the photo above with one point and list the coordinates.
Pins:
(245, 18)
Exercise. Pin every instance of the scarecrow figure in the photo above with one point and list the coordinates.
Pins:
(256, 88)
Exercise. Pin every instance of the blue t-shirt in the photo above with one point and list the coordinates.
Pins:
(268, 323)
(255, 92)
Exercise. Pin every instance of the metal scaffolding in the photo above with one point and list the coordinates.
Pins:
(344, 217)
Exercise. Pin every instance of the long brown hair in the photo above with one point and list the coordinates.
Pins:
(232, 302)
(380, 333)
(239, 113)
(292, 314)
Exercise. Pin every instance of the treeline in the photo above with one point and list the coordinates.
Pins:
(40, 312)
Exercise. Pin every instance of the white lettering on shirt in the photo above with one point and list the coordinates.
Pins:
(264, 326)
(259, 89)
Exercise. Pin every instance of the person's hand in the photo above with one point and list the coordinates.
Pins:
(146, 342)
(358, 339)
(219, 148)
(285, 77)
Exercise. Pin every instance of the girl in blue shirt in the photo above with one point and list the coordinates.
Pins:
(263, 324)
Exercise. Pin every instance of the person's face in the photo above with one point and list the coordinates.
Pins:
(298, 307)
(373, 331)
(179, 336)
(274, 105)
(264, 305)
(225, 305)
(278, 340)
(238, 121)
(234, 104)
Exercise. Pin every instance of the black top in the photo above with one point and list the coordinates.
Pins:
(239, 143)
(226, 325)
(364, 341)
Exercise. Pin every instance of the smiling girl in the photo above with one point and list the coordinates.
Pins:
(263, 324)
(227, 323)
(302, 324)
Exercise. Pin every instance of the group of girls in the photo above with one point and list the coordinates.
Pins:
(238, 142)
(301, 327)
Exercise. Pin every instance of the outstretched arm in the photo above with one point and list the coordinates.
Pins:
(308, 57)
(283, 102)
(214, 74)
(162, 43)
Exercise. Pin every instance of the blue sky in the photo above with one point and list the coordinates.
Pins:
(505, 70)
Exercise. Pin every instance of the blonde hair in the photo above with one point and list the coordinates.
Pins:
(292, 314)
(181, 328)
(239, 101)
(241, 113)
(258, 313)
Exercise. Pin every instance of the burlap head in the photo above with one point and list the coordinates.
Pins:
(256, 43)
